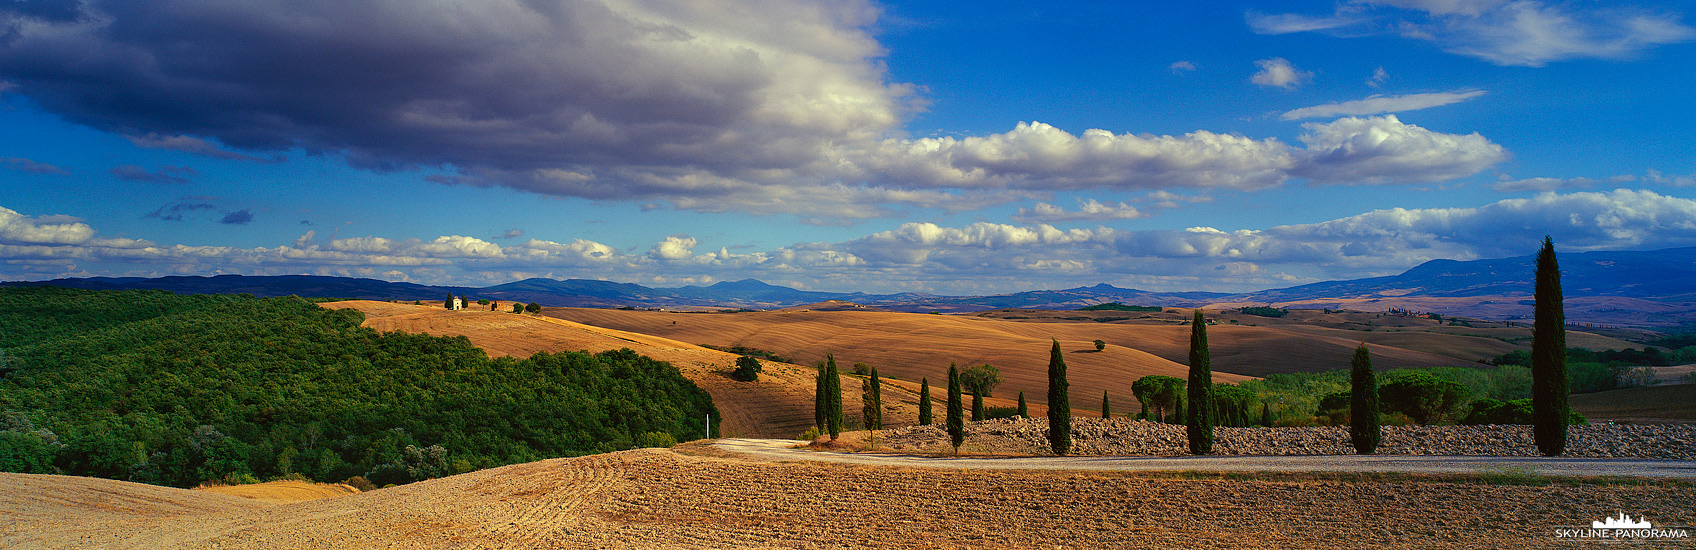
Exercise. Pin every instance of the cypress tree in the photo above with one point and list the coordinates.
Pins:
(956, 422)
(1059, 405)
(833, 397)
(1549, 410)
(877, 401)
(1364, 429)
(1265, 414)
(1106, 409)
(1023, 411)
(977, 406)
(820, 402)
(448, 303)
(925, 415)
(1177, 411)
(1200, 420)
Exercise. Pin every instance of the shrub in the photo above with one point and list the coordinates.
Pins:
(862, 369)
(360, 483)
(1264, 311)
(809, 435)
(656, 439)
(533, 307)
(1000, 412)
(1100, 345)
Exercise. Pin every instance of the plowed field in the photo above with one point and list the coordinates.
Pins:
(666, 499)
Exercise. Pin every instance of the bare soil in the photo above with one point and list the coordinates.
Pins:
(698, 498)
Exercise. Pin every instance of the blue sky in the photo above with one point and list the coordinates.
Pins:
(884, 147)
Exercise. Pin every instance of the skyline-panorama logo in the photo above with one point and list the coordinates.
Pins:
(1623, 528)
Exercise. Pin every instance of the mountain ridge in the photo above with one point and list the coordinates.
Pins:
(1664, 277)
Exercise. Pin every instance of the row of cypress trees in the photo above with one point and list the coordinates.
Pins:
(1550, 409)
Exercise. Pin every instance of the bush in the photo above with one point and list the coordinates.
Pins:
(1491, 411)
(533, 307)
(359, 482)
(656, 439)
(1000, 412)
(809, 435)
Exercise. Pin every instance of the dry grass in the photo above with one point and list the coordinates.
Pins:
(283, 491)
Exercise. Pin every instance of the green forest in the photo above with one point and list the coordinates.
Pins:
(154, 387)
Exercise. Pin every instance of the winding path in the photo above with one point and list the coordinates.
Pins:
(784, 449)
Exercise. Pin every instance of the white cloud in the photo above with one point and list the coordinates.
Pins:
(33, 167)
(1181, 66)
(1379, 104)
(1655, 176)
(676, 247)
(1088, 210)
(1514, 33)
(1378, 78)
(1277, 72)
(18, 229)
(1555, 184)
(1384, 150)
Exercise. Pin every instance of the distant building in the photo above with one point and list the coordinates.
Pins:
(458, 303)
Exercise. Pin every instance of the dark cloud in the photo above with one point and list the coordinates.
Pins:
(176, 209)
(239, 217)
(196, 146)
(33, 167)
(510, 234)
(164, 175)
(744, 105)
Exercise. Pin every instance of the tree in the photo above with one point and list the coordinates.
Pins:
(1059, 405)
(981, 380)
(833, 397)
(1100, 345)
(747, 369)
(820, 401)
(533, 307)
(1106, 408)
(956, 424)
(1159, 393)
(448, 303)
(1265, 414)
(1365, 431)
(1177, 412)
(1549, 388)
(1422, 396)
(1200, 421)
(517, 307)
(1024, 412)
(871, 401)
(925, 415)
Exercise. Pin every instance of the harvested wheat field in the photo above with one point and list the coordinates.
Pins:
(698, 497)
(282, 491)
(779, 404)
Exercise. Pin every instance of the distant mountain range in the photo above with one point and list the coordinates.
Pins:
(1664, 277)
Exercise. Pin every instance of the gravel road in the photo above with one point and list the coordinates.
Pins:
(784, 449)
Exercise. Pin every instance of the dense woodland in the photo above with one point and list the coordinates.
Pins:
(159, 388)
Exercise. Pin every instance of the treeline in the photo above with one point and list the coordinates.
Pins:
(157, 388)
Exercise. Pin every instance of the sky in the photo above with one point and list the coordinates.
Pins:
(905, 146)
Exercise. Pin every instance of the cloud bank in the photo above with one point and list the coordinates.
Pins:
(740, 105)
(982, 257)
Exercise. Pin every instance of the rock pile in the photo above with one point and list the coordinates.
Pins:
(1125, 437)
